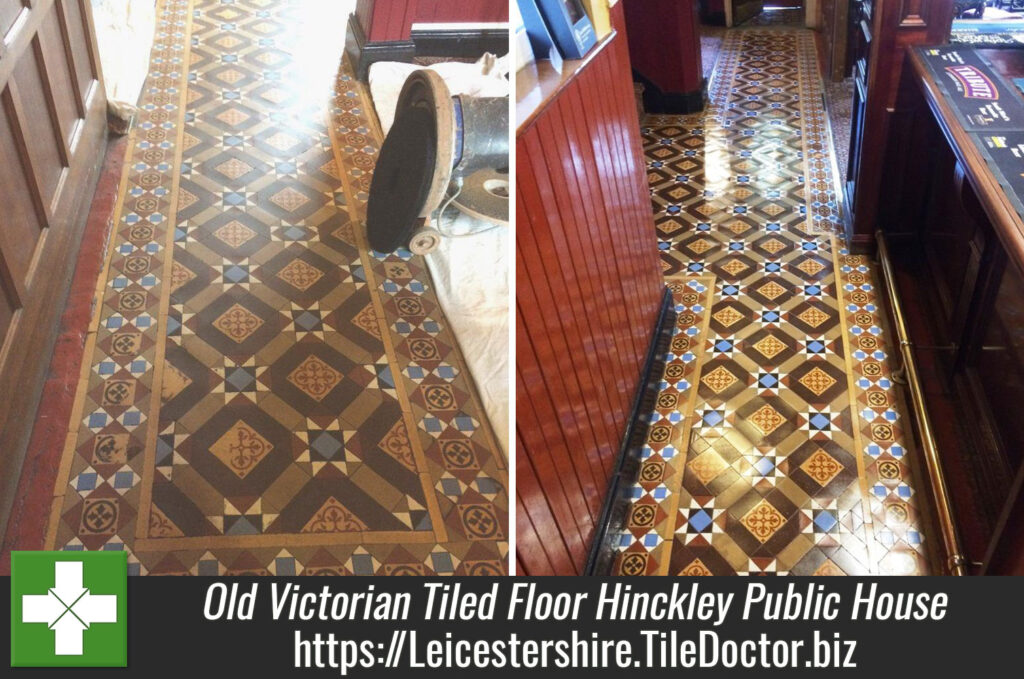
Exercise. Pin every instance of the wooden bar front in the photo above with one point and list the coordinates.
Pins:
(589, 291)
(958, 253)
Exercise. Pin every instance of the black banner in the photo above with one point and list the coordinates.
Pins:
(721, 627)
(981, 99)
(1004, 153)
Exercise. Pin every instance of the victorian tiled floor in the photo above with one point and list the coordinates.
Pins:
(260, 392)
(777, 444)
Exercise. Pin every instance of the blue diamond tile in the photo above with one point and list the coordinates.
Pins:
(825, 521)
(700, 520)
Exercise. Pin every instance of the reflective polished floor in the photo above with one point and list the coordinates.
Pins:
(261, 393)
(778, 444)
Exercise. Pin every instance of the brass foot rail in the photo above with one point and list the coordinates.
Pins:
(956, 562)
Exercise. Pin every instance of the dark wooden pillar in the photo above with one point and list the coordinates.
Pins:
(882, 121)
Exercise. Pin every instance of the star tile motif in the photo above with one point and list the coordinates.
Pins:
(743, 191)
(301, 381)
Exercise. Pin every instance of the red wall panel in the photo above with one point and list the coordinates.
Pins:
(664, 43)
(443, 11)
(588, 292)
(389, 20)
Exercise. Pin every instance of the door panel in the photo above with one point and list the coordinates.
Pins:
(82, 50)
(29, 94)
(62, 84)
(19, 218)
(52, 141)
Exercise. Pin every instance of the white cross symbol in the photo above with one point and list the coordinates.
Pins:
(68, 608)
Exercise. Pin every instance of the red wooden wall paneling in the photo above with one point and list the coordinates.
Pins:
(589, 287)
(664, 43)
(443, 11)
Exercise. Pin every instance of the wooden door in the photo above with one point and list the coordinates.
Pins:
(52, 139)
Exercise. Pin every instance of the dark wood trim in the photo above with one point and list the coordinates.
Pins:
(834, 35)
(657, 101)
(53, 190)
(713, 18)
(363, 53)
(958, 243)
(627, 465)
(23, 384)
(897, 25)
(461, 43)
(860, 243)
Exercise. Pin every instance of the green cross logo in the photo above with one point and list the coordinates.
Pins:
(69, 609)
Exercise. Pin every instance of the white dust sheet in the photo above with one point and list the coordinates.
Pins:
(471, 277)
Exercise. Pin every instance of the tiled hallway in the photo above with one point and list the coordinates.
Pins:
(260, 392)
(778, 443)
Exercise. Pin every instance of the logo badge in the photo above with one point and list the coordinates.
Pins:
(69, 609)
(973, 83)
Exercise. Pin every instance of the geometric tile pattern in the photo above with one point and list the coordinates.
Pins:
(794, 456)
(266, 395)
(642, 545)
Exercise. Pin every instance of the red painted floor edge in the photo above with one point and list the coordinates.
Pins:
(26, 527)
